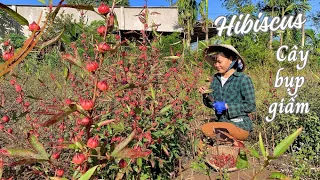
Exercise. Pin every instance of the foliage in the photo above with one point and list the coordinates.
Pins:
(17, 40)
(96, 3)
(170, 43)
(188, 12)
(9, 25)
(140, 119)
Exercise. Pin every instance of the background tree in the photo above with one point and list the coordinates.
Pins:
(188, 12)
(204, 11)
(8, 25)
(302, 6)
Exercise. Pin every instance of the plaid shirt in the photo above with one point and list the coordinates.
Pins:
(238, 93)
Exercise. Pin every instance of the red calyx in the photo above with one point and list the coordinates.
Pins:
(93, 142)
(34, 26)
(103, 9)
(101, 30)
(5, 119)
(87, 104)
(7, 55)
(92, 66)
(122, 163)
(84, 121)
(102, 86)
(78, 158)
(103, 47)
(59, 172)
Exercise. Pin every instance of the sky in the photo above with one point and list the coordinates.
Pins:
(215, 6)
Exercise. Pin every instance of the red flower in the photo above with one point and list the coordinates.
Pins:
(117, 37)
(122, 163)
(7, 55)
(87, 104)
(56, 155)
(18, 88)
(84, 121)
(102, 85)
(34, 26)
(5, 119)
(103, 9)
(101, 30)
(93, 142)
(92, 66)
(12, 81)
(78, 158)
(6, 43)
(103, 47)
(59, 172)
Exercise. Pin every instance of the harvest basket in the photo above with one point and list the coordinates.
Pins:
(222, 157)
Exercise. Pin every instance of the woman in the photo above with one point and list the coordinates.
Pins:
(232, 95)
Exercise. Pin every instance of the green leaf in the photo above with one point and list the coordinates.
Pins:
(36, 145)
(56, 118)
(153, 94)
(172, 57)
(123, 144)
(132, 153)
(57, 178)
(51, 41)
(24, 153)
(35, 98)
(285, 144)
(42, 1)
(254, 153)
(20, 19)
(139, 162)
(89, 173)
(278, 175)
(262, 149)
(242, 161)
(166, 108)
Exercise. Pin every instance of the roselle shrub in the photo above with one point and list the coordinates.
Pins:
(119, 113)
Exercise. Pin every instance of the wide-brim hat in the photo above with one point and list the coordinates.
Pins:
(221, 48)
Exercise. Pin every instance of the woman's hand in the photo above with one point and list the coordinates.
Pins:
(205, 90)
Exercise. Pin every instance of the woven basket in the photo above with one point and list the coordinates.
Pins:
(222, 150)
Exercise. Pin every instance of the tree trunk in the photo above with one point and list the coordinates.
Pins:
(271, 32)
(189, 35)
(303, 32)
(281, 33)
(207, 22)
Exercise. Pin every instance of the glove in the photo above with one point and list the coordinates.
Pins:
(219, 106)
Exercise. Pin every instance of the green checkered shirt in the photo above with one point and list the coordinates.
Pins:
(238, 93)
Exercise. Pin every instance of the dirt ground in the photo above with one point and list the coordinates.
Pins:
(246, 174)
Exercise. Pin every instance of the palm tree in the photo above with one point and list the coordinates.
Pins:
(203, 10)
(271, 3)
(187, 10)
(302, 6)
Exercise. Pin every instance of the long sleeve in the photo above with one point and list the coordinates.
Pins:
(248, 104)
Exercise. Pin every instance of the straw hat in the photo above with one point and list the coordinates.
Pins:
(222, 48)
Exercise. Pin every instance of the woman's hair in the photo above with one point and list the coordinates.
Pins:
(225, 53)
(230, 56)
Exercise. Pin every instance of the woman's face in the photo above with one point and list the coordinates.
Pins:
(221, 64)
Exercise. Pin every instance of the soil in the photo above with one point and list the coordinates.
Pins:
(189, 173)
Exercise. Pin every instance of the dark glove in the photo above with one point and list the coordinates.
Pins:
(207, 101)
(219, 106)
